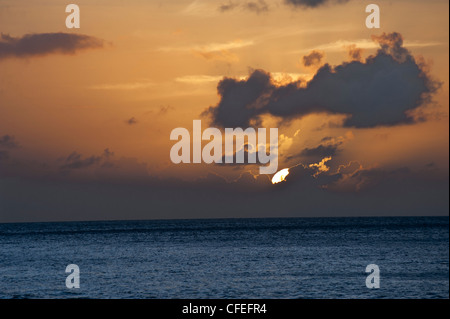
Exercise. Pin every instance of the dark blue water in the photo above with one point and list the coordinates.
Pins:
(248, 258)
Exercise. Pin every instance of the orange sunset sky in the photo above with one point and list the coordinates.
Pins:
(86, 114)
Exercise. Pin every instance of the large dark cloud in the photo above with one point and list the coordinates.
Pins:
(312, 3)
(380, 91)
(45, 43)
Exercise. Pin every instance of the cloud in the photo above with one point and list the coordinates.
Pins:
(8, 142)
(355, 178)
(313, 59)
(164, 109)
(257, 6)
(198, 79)
(225, 56)
(213, 51)
(41, 44)
(320, 151)
(221, 51)
(312, 3)
(341, 45)
(76, 160)
(228, 6)
(249, 197)
(392, 44)
(321, 167)
(107, 153)
(125, 189)
(131, 121)
(243, 153)
(124, 86)
(355, 53)
(329, 147)
(210, 47)
(382, 91)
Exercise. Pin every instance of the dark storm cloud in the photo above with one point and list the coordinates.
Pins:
(313, 59)
(380, 91)
(45, 43)
(228, 6)
(8, 142)
(257, 6)
(312, 3)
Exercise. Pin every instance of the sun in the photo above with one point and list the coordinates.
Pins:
(280, 176)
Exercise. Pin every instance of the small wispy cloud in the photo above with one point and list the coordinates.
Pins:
(257, 6)
(342, 45)
(198, 79)
(205, 79)
(213, 51)
(210, 47)
(198, 7)
(124, 86)
(312, 3)
(131, 121)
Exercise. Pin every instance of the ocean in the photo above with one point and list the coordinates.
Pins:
(229, 258)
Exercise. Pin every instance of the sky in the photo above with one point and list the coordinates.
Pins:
(86, 114)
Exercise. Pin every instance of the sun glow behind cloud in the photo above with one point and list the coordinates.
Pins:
(321, 167)
(280, 176)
